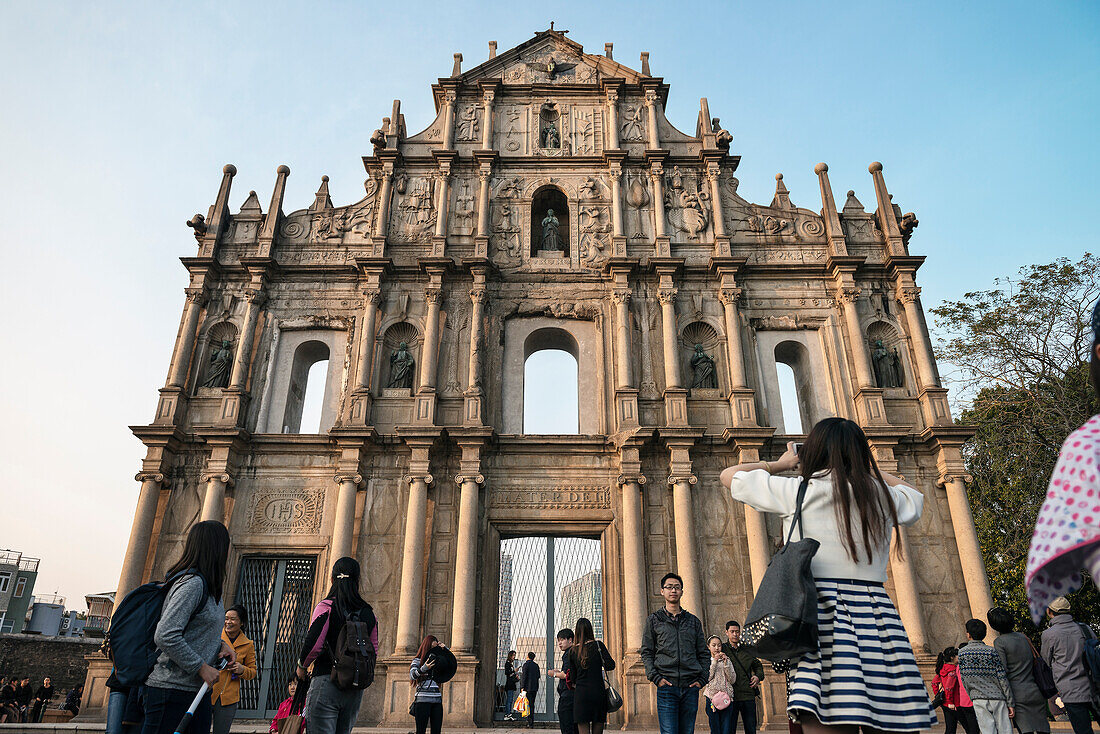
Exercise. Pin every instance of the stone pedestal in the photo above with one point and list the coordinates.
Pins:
(676, 407)
(459, 693)
(639, 709)
(743, 407)
(232, 407)
(397, 694)
(872, 411)
(359, 406)
(170, 406)
(425, 408)
(626, 409)
(934, 406)
(93, 706)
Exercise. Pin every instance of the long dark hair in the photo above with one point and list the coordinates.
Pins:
(839, 446)
(582, 635)
(206, 551)
(343, 589)
(422, 653)
(1094, 358)
(945, 657)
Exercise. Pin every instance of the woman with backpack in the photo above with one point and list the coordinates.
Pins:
(188, 635)
(226, 693)
(588, 659)
(330, 708)
(852, 509)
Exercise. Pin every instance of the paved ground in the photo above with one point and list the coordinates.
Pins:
(244, 728)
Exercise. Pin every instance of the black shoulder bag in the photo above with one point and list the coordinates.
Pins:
(782, 622)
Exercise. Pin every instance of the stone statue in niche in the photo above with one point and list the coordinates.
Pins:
(702, 369)
(468, 124)
(551, 238)
(550, 136)
(887, 365)
(401, 367)
(221, 360)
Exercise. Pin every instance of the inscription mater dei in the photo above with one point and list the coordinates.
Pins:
(552, 498)
(287, 511)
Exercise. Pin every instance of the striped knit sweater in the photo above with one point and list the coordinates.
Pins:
(982, 669)
(427, 690)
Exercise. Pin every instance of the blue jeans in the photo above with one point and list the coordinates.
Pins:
(329, 710)
(721, 722)
(747, 709)
(116, 707)
(676, 709)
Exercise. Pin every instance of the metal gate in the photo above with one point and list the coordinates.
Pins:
(277, 592)
(546, 583)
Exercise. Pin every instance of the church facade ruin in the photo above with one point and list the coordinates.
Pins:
(549, 205)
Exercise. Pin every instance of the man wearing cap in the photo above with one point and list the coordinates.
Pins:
(1063, 648)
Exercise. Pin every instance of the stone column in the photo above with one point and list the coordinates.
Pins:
(137, 549)
(616, 201)
(613, 120)
(634, 573)
(343, 530)
(372, 298)
(487, 120)
(857, 343)
(242, 360)
(483, 203)
(623, 378)
(651, 109)
(716, 200)
(443, 205)
(462, 625)
(385, 192)
(756, 534)
(213, 504)
(966, 537)
(448, 120)
(686, 564)
(918, 332)
(412, 566)
(479, 298)
(734, 354)
(185, 345)
(908, 593)
(428, 362)
(656, 179)
(668, 330)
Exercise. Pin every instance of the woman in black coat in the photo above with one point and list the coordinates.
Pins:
(589, 659)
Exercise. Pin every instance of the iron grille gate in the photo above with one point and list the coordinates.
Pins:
(546, 583)
(277, 594)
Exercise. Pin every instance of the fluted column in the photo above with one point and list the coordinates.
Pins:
(616, 174)
(623, 377)
(343, 529)
(966, 538)
(372, 298)
(668, 331)
(918, 332)
(185, 345)
(213, 504)
(651, 110)
(908, 593)
(656, 179)
(856, 342)
(686, 564)
(734, 355)
(429, 362)
(448, 120)
(462, 624)
(412, 566)
(244, 347)
(612, 120)
(634, 571)
(137, 548)
(479, 298)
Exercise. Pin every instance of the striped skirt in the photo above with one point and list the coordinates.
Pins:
(864, 672)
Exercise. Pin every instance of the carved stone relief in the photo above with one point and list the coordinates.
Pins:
(595, 227)
(632, 129)
(587, 131)
(286, 511)
(414, 213)
(468, 123)
(512, 126)
(638, 201)
(464, 220)
(687, 204)
(505, 237)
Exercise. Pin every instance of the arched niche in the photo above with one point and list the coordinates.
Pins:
(397, 334)
(887, 351)
(525, 336)
(218, 351)
(545, 199)
(697, 373)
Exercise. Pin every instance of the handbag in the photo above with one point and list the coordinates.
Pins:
(938, 699)
(290, 725)
(782, 622)
(720, 701)
(1041, 672)
(614, 700)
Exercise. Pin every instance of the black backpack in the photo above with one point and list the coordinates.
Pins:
(354, 657)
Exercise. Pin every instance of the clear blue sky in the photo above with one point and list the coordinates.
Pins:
(119, 116)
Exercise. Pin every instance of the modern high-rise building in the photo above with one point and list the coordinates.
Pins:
(504, 611)
(583, 598)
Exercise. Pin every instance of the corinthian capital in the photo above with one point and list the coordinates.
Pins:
(195, 296)
(848, 294)
(434, 296)
(620, 297)
(667, 295)
(372, 296)
(449, 97)
(729, 296)
(650, 96)
(479, 296)
(255, 296)
(908, 294)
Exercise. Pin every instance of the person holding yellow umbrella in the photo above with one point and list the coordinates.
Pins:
(226, 693)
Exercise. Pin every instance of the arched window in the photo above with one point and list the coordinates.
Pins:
(547, 238)
(550, 378)
(307, 387)
(792, 365)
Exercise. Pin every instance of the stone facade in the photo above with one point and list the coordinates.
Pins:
(422, 467)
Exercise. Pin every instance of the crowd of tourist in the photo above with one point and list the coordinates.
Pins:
(22, 703)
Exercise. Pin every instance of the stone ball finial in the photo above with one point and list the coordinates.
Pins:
(821, 168)
(283, 169)
(252, 193)
(230, 169)
(875, 167)
(324, 179)
(779, 177)
(851, 192)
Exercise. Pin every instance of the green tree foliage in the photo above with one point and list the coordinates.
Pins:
(1020, 356)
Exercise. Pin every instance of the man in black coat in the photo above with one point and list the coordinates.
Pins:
(529, 682)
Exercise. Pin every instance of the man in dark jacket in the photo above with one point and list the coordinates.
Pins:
(1063, 647)
(532, 676)
(749, 671)
(674, 650)
(565, 693)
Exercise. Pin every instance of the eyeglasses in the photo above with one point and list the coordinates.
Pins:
(673, 587)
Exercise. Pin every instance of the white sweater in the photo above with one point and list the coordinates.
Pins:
(767, 493)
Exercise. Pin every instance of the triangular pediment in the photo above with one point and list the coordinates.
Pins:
(550, 58)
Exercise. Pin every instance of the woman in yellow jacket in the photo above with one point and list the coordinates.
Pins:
(226, 693)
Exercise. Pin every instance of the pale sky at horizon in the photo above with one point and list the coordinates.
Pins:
(119, 117)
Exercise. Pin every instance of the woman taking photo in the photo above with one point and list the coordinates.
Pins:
(852, 509)
(328, 709)
(588, 660)
(188, 636)
(226, 693)
(427, 703)
(719, 689)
